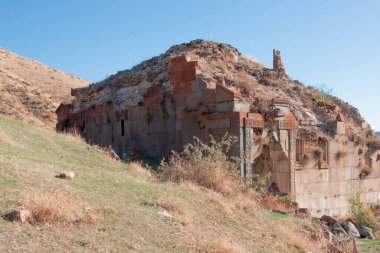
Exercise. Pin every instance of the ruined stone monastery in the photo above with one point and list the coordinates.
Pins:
(306, 143)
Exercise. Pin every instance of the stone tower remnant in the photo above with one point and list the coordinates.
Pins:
(277, 61)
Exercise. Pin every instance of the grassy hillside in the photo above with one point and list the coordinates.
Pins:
(31, 91)
(126, 200)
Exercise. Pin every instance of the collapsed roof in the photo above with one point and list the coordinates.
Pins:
(221, 63)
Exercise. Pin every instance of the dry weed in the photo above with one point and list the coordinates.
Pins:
(53, 207)
(221, 247)
(109, 210)
(93, 217)
(56, 206)
(139, 167)
(247, 202)
(171, 204)
(6, 139)
(183, 213)
(206, 165)
(282, 203)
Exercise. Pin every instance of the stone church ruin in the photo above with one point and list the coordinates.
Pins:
(306, 143)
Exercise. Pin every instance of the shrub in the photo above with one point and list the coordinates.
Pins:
(58, 207)
(283, 203)
(206, 165)
(53, 207)
(360, 213)
(323, 95)
(321, 98)
(259, 183)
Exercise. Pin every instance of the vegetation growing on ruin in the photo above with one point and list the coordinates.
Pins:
(206, 165)
(360, 212)
(323, 95)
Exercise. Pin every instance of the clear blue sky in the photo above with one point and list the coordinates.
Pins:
(335, 43)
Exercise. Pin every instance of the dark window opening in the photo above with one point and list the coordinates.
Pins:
(83, 126)
(273, 188)
(122, 127)
(300, 150)
(108, 119)
(324, 144)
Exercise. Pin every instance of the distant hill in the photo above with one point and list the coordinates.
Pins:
(378, 134)
(31, 91)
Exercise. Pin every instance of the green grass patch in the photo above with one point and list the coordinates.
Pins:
(368, 245)
(275, 215)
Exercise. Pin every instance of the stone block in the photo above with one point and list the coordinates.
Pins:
(178, 124)
(180, 100)
(193, 101)
(69, 175)
(241, 107)
(233, 105)
(208, 97)
(179, 112)
(218, 123)
(225, 106)
(20, 215)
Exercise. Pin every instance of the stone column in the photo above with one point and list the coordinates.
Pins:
(292, 162)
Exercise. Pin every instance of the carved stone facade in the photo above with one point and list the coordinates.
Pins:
(319, 173)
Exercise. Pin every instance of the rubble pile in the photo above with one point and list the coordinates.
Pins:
(224, 64)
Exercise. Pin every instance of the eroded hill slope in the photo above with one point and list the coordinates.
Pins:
(31, 91)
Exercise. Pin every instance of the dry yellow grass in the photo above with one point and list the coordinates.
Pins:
(56, 206)
(222, 247)
(31, 91)
(6, 139)
(139, 167)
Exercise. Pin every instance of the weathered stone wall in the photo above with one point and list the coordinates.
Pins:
(162, 122)
(326, 191)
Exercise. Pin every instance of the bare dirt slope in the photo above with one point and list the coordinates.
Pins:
(31, 91)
